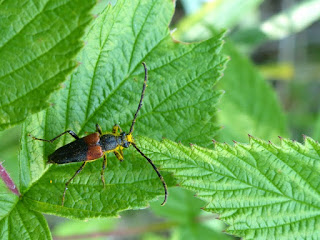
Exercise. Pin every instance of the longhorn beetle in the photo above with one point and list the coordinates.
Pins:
(97, 145)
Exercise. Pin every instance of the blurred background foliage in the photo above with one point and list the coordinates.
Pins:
(271, 89)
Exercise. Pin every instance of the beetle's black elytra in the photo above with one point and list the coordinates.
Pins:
(97, 145)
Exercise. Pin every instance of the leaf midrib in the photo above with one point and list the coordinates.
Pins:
(248, 184)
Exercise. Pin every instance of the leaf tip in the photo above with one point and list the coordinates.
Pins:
(172, 31)
(304, 137)
(234, 141)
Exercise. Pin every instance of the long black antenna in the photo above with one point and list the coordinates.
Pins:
(156, 169)
(142, 95)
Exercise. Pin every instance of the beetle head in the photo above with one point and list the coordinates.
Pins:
(125, 139)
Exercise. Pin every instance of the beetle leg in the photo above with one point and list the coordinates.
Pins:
(67, 183)
(53, 139)
(104, 165)
(119, 155)
(115, 129)
(98, 129)
(121, 152)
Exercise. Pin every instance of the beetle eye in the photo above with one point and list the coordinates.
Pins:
(126, 145)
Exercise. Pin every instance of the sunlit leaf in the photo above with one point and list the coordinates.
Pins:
(179, 104)
(261, 190)
(39, 40)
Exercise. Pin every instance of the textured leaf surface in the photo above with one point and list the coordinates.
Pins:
(249, 105)
(179, 104)
(22, 223)
(16, 221)
(261, 190)
(7, 200)
(38, 42)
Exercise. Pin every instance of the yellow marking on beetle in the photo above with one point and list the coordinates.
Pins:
(130, 138)
(94, 143)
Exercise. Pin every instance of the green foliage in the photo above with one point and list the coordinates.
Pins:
(23, 223)
(7, 199)
(78, 227)
(249, 106)
(184, 210)
(261, 190)
(38, 42)
(105, 89)
(316, 133)
(9, 149)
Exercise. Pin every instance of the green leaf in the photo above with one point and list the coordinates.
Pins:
(183, 206)
(17, 221)
(249, 106)
(261, 190)
(38, 42)
(105, 89)
(8, 200)
(22, 223)
(197, 231)
(184, 210)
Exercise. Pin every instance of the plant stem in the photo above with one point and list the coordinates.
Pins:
(4, 175)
